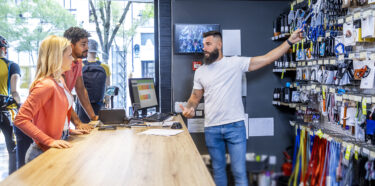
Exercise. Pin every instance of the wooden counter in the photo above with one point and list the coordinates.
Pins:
(118, 157)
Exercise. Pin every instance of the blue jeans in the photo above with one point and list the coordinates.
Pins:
(33, 152)
(7, 129)
(23, 143)
(232, 135)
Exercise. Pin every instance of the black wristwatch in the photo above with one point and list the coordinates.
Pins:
(290, 43)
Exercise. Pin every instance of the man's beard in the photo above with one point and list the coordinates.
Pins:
(211, 57)
(83, 54)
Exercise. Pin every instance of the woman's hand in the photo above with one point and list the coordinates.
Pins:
(79, 132)
(60, 144)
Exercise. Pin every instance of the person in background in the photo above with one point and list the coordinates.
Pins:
(73, 78)
(96, 77)
(219, 81)
(9, 81)
(45, 115)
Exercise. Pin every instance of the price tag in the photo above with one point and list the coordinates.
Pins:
(367, 13)
(357, 15)
(349, 19)
(309, 63)
(332, 61)
(372, 56)
(372, 99)
(351, 56)
(358, 98)
(303, 108)
(345, 96)
(308, 88)
(332, 90)
(319, 133)
(326, 62)
(363, 55)
(347, 153)
(372, 154)
(373, 13)
(304, 63)
(351, 98)
(320, 62)
(328, 34)
(341, 57)
(338, 98)
(314, 63)
(320, 39)
(313, 86)
(340, 21)
(311, 133)
(356, 150)
(317, 89)
(365, 151)
(364, 106)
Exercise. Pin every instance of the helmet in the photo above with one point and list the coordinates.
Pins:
(3, 42)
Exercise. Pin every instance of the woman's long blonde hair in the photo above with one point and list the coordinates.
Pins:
(50, 58)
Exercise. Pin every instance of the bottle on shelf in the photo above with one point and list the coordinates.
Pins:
(287, 93)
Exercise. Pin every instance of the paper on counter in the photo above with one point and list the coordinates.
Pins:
(161, 132)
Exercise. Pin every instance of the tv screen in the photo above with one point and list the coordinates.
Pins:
(188, 38)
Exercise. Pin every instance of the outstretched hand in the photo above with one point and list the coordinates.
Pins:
(187, 112)
(296, 36)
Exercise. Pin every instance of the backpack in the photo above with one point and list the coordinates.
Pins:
(94, 78)
(9, 63)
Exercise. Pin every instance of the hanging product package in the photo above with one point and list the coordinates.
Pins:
(358, 30)
(357, 66)
(367, 81)
(368, 25)
(299, 74)
(320, 74)
(349, 34)
(350, 115)
(313, 73)
(346, 3)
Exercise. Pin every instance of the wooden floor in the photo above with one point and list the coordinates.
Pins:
(120, 157)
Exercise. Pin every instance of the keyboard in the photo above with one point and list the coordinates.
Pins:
(157, 117)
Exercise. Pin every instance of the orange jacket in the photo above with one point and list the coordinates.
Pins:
(43, 115)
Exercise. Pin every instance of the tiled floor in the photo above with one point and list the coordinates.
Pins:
(3, 158)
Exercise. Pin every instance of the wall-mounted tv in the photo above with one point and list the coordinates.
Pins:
(188, 38)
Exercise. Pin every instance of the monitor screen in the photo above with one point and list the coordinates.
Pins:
(188, 38)
(142, 92)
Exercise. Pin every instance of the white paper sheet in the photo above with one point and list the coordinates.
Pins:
(196, 125)
(261, 127)
(231, 42)
(161, 132)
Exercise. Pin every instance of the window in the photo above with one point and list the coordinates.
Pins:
(148, 69)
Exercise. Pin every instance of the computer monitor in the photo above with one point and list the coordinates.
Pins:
(142, 93)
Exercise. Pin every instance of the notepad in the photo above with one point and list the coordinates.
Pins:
(161, 132)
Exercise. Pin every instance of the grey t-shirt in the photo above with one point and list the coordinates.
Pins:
(221, 83)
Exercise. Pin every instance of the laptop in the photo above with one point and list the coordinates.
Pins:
(113, 116)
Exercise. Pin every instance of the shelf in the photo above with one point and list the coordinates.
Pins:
(284, 69)
(281, 37)
(290, 105)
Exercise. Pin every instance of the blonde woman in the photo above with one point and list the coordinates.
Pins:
(45, 114)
